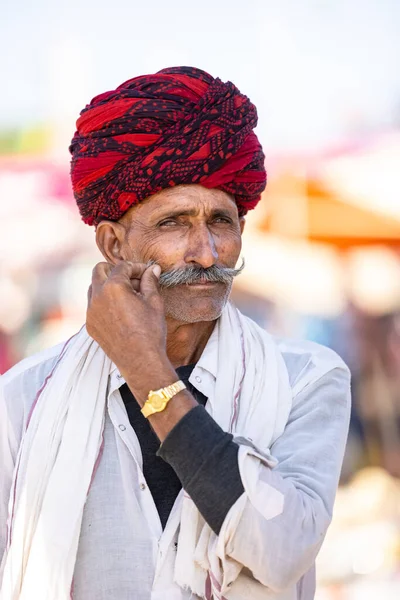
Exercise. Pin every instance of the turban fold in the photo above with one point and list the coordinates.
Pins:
(178, 126)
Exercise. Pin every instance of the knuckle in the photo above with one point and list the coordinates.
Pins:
(99, 266)
(99, 271)
(108, 282)
(111, 281)
(112, 286)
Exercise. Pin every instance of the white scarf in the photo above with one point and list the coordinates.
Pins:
(252, 399)
(63, 441)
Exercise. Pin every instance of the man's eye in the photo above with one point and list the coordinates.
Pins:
(223, 219)
(168, 222)
(172, 222)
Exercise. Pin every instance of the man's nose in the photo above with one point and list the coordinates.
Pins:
(201, 247)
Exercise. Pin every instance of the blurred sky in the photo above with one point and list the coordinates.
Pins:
(316, 69)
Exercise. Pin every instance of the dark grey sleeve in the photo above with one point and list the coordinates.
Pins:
(205, 459)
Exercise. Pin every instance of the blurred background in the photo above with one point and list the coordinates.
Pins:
(322, 249)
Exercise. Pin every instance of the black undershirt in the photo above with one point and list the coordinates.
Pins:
(196, 453)
(161, 478)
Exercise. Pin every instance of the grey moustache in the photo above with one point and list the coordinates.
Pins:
(193, 274)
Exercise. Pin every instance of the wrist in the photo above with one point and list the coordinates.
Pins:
(157, 374)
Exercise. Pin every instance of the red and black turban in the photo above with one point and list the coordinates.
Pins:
(178, 126)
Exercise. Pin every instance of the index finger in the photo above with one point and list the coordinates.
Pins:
(126, 269)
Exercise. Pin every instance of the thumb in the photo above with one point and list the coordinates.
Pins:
(149, 281)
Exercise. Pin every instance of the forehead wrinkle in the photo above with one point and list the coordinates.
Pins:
(190, 191)
(192, 212)
(167, 200)
(201, 205)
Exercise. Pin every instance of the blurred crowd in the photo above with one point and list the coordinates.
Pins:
(330, 273)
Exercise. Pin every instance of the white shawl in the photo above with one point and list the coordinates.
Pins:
(62, 445)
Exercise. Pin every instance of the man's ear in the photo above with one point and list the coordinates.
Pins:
(242, 222)
(110, 237)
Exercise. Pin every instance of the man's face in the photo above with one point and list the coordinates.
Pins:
(181, 227)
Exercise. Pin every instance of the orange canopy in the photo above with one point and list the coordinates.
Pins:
(298, 207)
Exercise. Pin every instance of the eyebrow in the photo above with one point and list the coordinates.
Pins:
(222, 212)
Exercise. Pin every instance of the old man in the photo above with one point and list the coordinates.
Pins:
(172, 449)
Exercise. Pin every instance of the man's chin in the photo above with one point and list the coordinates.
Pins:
(197, 310)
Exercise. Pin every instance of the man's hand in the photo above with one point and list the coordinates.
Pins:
(125, 316)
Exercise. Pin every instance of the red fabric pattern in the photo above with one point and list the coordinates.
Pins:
(177, 126)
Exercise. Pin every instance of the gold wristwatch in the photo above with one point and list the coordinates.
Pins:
(158, 400)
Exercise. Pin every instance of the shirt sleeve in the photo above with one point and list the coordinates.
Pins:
(277, 527)
(206, 461)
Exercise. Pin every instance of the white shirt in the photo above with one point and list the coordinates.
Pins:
(123, 552)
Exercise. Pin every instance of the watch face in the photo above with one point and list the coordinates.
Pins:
(157, 402)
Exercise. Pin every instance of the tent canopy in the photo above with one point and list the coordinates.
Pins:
(306, 208)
